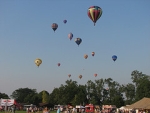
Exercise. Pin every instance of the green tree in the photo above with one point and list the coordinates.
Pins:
(23, 95)
(143, 89)
(4, 96)
(129, 91)
(45, 97)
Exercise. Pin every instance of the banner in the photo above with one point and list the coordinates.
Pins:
(7, 102)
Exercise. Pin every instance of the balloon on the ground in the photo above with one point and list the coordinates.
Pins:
(94, 13)
(38, 62)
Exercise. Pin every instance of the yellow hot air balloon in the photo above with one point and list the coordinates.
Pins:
(80, 76)
(85, 56)
(38, 62)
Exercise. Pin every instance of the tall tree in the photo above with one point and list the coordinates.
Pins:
(45, 97)
(3, 95)
(23, 95)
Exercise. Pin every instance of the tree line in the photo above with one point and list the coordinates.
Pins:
(98, 92)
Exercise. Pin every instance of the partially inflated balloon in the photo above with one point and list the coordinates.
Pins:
(54, 26)
(78, 41)
(94, 13)
(38, 62)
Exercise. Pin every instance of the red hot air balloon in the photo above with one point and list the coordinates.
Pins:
(94, 13)
(58, 64)
(95, 75)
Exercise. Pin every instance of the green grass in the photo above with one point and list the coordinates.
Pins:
(25, 112)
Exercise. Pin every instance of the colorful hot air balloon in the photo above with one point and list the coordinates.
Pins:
(94, 13)
(78, 41)
(65, 21)
(58, 64)
(85, 56)
(80, 76)
(70, 36)
(69, 75)
(54, 26)
(93, 53)
(38, 62)
(114, 57)
(95, 75)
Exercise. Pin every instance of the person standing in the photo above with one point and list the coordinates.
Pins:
(45, 110)
(13, 108)
(58, 109)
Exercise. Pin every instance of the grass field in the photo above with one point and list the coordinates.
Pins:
(25, 112)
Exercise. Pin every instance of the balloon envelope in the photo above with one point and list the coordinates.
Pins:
(95, 75)
(114, 57)
(80, 76)
(85, 56)
(70, 36)
(58, 64)
(69, 75)
(93, 53)
(94, 13)
(54, 26)
(78, 41)
(38, 62)
(65, 21)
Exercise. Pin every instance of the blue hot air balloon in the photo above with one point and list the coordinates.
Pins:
(65, 21)
(114, 57)
(78, 41)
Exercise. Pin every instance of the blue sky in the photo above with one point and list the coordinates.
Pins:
(26, 34)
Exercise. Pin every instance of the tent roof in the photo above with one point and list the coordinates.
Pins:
(141, 104)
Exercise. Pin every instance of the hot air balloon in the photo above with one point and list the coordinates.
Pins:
(65, 21)
(80, 76)
(93, 53)
(95, 75)
(94, 13)
(38, 62)
(69, 75)
(54, 26)
(58, 64)
(70, 36)
(85, 56)
(114, 57)
(78, 41)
